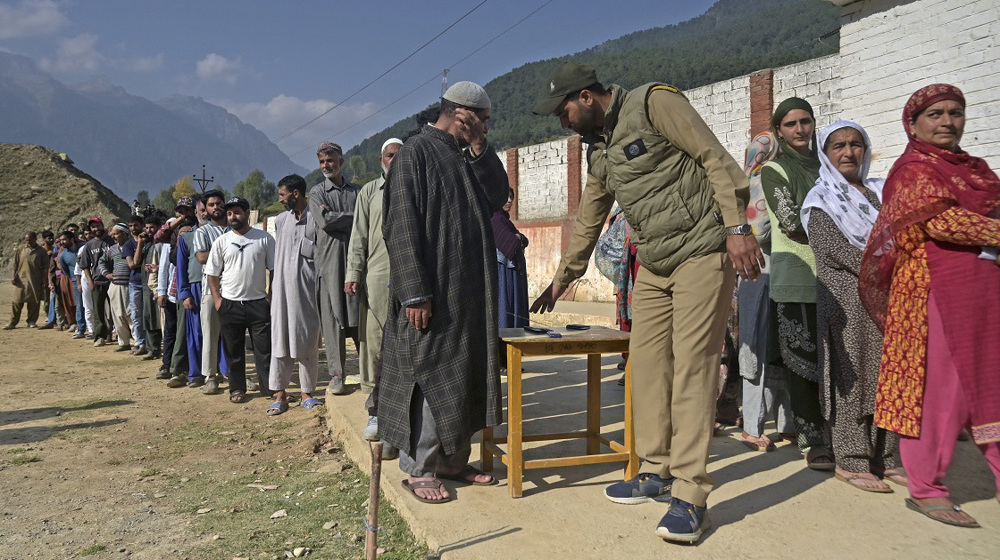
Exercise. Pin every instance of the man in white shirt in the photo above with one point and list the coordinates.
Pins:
(238, 266)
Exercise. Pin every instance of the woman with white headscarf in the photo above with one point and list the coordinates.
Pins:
(838, 215)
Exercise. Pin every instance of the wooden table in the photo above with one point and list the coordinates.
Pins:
(593, 343)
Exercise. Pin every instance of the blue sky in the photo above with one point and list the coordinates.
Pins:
(278, 64)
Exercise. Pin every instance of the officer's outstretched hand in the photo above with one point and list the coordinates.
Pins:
(547, 300)
(746, 256)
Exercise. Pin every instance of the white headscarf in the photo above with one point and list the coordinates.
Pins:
(843, 202)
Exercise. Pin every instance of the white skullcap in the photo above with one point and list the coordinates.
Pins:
(468, 94)
(390, 142)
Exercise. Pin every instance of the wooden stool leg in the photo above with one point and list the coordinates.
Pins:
(593, 403)
(485, 454)
(632, 468)
(515, 461)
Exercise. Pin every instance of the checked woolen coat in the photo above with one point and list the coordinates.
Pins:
(437, 208)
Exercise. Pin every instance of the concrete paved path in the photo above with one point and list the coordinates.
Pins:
(766, 505)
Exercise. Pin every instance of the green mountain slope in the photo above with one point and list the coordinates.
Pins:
(733, 38)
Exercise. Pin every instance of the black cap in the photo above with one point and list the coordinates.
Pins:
(568, 78)
(237, 201)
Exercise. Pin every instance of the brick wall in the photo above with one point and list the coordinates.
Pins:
(888, 50)
(817, 81)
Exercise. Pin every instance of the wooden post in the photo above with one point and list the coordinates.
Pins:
(371, 540)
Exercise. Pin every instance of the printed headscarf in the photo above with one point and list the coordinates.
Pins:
(850, 210)
(946, 179)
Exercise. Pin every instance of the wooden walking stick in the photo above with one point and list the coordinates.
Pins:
(371, 541)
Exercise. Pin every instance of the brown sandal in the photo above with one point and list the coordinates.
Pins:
(762, 443)
(851, 478)
(820, 459)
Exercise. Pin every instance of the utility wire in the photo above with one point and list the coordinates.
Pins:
(432, 78)
(382, 75)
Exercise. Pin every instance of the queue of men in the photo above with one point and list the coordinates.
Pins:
(406, 267)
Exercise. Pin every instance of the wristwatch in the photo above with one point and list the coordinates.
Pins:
(742, 229)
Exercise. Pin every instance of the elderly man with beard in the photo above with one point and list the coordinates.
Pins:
(213, 361)
(368, 278)
(237, 269)
(28, 277)
(294, 315)
(115, 268)
(440, 373)
(331, 204)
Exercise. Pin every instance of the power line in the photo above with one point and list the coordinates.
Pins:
(382, 75)
(432, 78)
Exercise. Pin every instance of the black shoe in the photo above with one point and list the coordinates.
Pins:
(123, 348)
(164, 373)
(684, 522)
(197, 382)
(639, 490)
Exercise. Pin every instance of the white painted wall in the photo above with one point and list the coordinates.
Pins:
(891, 48)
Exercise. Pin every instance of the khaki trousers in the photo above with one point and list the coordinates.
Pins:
(118, 295)
(678, 325)
(211, 329)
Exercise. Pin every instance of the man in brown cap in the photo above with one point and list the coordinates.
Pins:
(331, 204)
(685, 197)
(28, 278)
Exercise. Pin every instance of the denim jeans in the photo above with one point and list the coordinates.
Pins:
(135, 311)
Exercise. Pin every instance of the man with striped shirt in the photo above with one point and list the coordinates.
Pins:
(213, 362)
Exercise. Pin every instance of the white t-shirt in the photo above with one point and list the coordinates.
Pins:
(241, 261)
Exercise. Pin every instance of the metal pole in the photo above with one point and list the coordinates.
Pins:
(203, 182)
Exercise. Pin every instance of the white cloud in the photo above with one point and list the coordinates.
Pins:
(30, 18)
(80, 54)
(145, 63)
(284, 113)
(75, 54)
(217, 67)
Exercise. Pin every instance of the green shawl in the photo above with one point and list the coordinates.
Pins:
(802, 171)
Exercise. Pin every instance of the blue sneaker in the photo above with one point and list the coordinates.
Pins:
(684, 522)
(639, 490)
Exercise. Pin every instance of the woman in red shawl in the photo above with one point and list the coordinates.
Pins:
(927, 281)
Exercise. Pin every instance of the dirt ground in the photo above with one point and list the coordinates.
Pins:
(99, 459)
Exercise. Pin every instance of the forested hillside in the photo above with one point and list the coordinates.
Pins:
(733, 38)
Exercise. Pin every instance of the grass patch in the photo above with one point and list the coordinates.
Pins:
(148, 473)
(115, 462)
(17, 450)
(242, 516)
(24, 460)
(313, 489)
(93, 549)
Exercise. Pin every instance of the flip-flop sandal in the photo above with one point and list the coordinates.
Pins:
(311, 403)
(813, 457)
(276, 408)
(237, 397)
(762, 443)
(467, 474)
(425, 484)
(855, 476)
(896, 477)
(926, 510)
